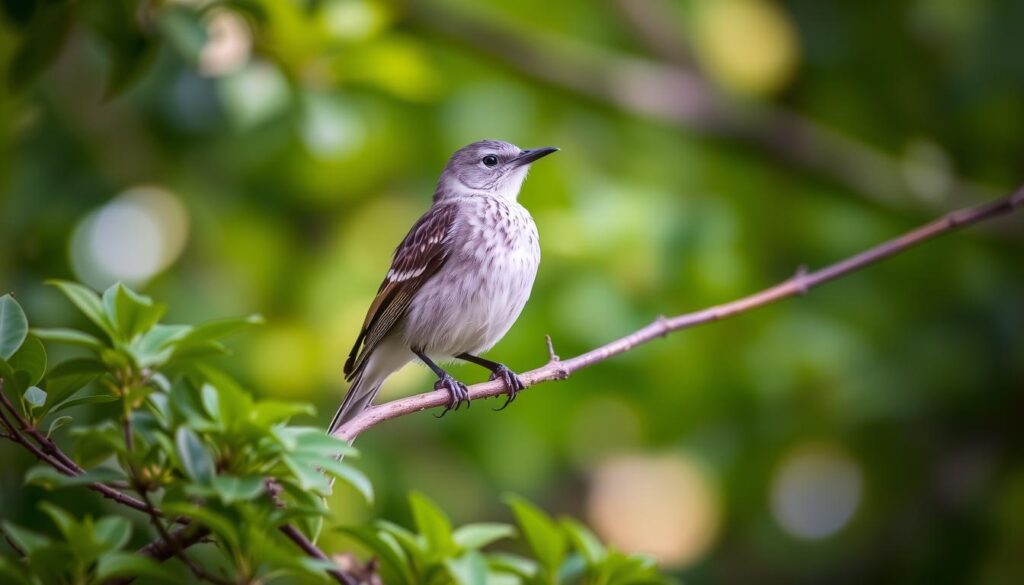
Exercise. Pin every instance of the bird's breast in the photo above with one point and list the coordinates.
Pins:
(484, 285)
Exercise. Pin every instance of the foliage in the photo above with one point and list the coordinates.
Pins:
(435, 553)
(218, 459)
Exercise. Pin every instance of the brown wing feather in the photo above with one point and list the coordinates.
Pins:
(423, 251)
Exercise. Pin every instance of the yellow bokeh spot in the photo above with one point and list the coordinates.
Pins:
(748, 46)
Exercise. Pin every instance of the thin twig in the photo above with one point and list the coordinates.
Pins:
(311, 550)
(175, 546)
(56, 461)
(799, 284)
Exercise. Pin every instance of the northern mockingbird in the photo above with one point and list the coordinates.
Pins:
(457, 282)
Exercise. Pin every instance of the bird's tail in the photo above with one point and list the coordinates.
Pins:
(360, 395)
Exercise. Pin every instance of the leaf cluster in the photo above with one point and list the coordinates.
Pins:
(562, 552)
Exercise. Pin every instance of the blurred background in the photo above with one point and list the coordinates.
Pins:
(266, 156)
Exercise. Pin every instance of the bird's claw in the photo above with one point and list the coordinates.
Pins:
(457, 393)
(513, 384)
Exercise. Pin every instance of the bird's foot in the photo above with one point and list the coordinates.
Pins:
(457, 393)
(513, 383)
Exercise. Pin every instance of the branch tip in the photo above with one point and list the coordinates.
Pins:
(800, 279)
(552, 356)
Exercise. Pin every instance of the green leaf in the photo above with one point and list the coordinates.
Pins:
(131, 313)
(195, 460)
(13, 326)
(185, 401)
(432, 523)
(64, 521)
(413, 545)
(479, 535)
(156, 346)
(221, 328)
(93, 399)
(342, 471)
(67, 378)
(308, 477)
(584, 541)
(113, 532)
(87, 301)
(30, 358)
(68, 336)
(26, 540)
(469, 569)
(313, 441)
(217, 523)
(129, 565)
(395, 564)
(269, 412)
(547, 542)
(49, 478)
(515, 564)
(34, 397)
(231, 488)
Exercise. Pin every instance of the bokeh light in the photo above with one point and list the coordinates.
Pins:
(816, 491)
(664, 506)
(228, 44)
(136, 235)
(749, 46)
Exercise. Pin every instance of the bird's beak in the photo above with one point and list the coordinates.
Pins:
(528, 156)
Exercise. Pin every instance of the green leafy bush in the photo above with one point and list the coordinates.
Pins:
(178, 439)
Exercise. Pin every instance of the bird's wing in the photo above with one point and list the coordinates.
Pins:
(423, 251)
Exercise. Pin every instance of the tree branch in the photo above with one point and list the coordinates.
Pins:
(168, 543)
(802, 282)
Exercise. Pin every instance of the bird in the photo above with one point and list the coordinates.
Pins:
(457, 282)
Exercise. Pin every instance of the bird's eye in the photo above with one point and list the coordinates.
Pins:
(490, 160)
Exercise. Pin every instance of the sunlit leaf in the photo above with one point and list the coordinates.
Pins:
(469, 569)
(475, 536)
(584, 540)
(130, 313)
(68, 336)
(87, 301)
(546, 540)
(433, 524)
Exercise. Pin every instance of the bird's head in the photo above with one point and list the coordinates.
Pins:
(488, 167)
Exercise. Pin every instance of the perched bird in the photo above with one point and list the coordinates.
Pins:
(458, 280)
